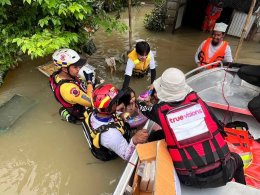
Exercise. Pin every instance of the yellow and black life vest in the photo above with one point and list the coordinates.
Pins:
(55, 82)
(141, 68)
(93, 135)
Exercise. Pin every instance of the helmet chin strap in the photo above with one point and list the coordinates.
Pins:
(68, 72)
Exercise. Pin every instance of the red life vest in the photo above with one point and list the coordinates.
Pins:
(74, 109)
(192, 136)
(219, 55)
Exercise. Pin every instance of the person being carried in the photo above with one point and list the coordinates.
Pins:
(107, 135)
(194, 138)
(140, 60)
(68, 89)
(128, 110)
(214, 49)
(126, 103)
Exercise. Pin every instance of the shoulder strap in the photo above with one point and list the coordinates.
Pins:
(104, 128)
(116, 124)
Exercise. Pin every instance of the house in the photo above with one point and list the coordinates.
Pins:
(191, 13)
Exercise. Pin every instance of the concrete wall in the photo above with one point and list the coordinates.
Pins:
(172, 7)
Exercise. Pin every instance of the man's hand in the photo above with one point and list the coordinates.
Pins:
(140, 137)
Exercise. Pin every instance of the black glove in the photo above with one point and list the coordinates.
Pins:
(88, 77)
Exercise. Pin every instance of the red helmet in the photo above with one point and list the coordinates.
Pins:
(104, 97)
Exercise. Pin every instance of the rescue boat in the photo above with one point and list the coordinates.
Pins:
(228, 96)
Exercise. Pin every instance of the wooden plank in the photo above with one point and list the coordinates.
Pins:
(48, 68)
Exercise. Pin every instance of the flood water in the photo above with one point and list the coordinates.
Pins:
(41, 154)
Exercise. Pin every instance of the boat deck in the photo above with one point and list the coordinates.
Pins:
(223, 89)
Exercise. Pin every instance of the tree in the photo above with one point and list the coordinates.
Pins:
(39, 27)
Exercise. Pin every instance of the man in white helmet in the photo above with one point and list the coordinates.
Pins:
(68, 89)
(214, 49)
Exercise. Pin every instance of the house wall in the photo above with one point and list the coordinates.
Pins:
(172, 7)
(187, 12)
(172, 10)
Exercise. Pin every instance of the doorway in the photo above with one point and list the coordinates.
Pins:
(195, 12)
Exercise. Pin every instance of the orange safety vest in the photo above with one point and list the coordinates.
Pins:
(218, 55)
(241, 143)
(253, 169)
(140, 67)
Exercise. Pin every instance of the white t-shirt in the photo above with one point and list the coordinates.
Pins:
(113, 139)
(130, 65)
(212, 51)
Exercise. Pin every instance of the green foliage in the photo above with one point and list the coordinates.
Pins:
(155, 21)
(39, 27)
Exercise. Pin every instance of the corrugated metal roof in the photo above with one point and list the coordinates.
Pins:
(237, 24)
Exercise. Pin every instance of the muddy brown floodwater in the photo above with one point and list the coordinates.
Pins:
(41, 154)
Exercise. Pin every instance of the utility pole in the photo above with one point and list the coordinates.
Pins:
(130, 24)
(248, 18)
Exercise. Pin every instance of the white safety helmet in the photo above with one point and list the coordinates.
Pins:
(66, 57)
(87, 73)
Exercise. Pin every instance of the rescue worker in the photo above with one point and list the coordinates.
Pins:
(214, 49)
(195, 142)
(107, 135)
(140, 60)
(68, 89)
(251, 74)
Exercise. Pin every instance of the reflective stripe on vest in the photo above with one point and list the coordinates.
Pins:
(200, 152)
(240, 142)
(140, 67)
(219, 55)
(247, 158)
(253, 169)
